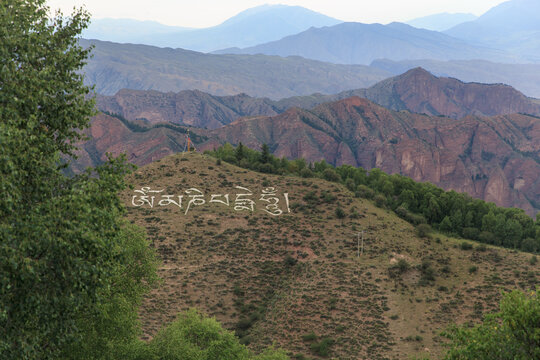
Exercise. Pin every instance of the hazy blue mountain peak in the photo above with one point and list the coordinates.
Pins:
(442, 21)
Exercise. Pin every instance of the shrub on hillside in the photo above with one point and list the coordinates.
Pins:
(364, 192)
(423, 230)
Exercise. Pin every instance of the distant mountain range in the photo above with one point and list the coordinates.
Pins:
(356, 43)
(250, 27)
(509, 32)
(513, 26)
(128, 30)
(417, 91)
(441, 22)
(117, 66)
(524, 77)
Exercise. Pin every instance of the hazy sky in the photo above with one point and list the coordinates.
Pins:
(204, 13)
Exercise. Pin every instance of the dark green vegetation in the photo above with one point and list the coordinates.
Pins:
(193, 336)
(513, 333)
(418, 203)
(72, 270)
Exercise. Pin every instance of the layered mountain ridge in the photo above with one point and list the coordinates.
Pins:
(357, 43)
(416, 90)
(140, 67)
(454, 144)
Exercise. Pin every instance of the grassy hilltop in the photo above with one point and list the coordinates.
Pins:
(296, 279)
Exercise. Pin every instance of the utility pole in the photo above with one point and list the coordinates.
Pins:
(362, 242)
(360, 249)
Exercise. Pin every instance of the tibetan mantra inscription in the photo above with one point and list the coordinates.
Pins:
(243, 199)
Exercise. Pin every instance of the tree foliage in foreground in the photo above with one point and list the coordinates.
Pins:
(196, 337)
(511, 334)
(72, 271)
(419, 203)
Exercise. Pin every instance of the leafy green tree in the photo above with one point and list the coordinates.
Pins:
(446, 225)
(530, 245)
(193, 336)
(265, 154)
(423, 230)
(387, 188)
(407, 197)
(489, 222)
(66, 255)
(511, 334)
(457, 221)
(433, 210)
(111, 331)
(239, 152)
(468, 222)
(512, 234)
(331, 175)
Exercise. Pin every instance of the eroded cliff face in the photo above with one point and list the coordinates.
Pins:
(492, 158)
(419, 91)
(109, 135)
(189, 107)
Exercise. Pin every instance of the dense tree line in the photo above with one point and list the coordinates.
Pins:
(419, 203)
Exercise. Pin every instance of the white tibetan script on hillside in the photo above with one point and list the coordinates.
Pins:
(242, 200)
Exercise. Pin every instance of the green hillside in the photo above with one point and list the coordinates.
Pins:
(297, 279)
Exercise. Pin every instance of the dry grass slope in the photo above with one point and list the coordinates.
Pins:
(296, 280)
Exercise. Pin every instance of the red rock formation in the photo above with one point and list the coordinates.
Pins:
(496, 159)
(493, 158)
(419, 91)
(109, 135)
(189, 107)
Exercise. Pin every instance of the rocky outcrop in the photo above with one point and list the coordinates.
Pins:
(492, 158)
(419, 91)
(108, 134)
(189, 107)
